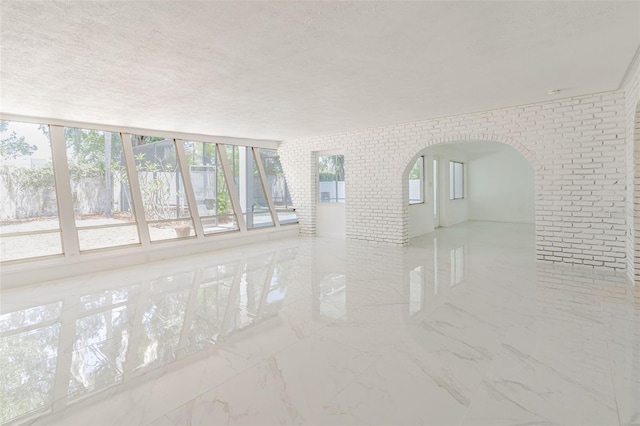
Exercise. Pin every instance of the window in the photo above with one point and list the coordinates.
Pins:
(456, 180)
(29, 225)
(102, 203)
(416, 182)
(105, 193)
(210, 188)
(277, 185)
(435, 187)
(162, 188)
(253, 200)
(331, 179)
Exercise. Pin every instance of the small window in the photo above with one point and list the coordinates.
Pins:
(456, 180)
(416, 182)
(331, 178)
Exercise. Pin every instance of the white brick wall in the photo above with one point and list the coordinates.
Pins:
(632, 136)
(576, 146)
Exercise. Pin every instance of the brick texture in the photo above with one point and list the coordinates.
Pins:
(577, 147)
(632, 136)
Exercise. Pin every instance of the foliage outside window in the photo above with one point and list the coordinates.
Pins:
(253, 201)
(162, 188)
(456, 180)
(101, 197)
(29, 225)
(331, 185)
(100, 189)
(116, 335)
(416, 182)
(210, 188)
(277, 185)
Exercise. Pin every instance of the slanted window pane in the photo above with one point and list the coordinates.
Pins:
(277, 184)
(162, 187)
(416, 182)
(210, 188)
(331, 185)
(100, 189)
(29, 225)
(253, 201)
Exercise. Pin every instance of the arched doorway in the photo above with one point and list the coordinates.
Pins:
(468, 181)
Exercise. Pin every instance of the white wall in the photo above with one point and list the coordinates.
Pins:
(331, 220)
(501, 187)
(576, 146)
(632, 138)
(498, 187)
(420, 219)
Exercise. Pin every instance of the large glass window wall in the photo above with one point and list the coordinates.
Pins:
(65, 191)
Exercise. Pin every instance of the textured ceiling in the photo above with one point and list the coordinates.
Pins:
(281, 70)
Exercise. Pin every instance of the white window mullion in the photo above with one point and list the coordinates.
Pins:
(231, 185)
(134, 186)
(64, 197)
(188, 189)
(267, 193)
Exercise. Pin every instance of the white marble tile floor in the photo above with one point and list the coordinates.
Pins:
(463, 327)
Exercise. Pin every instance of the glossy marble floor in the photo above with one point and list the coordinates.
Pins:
(462, 327)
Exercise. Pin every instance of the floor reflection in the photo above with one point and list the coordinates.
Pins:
(118, 334)
(464, 315)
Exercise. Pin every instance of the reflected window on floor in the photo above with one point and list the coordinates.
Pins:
(29, 352)
(457, 265)
(333, 296)
(416, 290)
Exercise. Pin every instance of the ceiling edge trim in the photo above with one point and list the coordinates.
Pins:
(228, 140)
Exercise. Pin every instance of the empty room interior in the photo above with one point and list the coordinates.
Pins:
(319, 213)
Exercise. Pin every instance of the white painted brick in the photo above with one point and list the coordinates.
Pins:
(581, 148)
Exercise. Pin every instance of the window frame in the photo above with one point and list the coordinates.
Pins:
(336, 199)
(422, 199)
(453, 195)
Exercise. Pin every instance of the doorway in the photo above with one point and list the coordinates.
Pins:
(330, 195)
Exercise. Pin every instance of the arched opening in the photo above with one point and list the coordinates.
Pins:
(485, 181)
